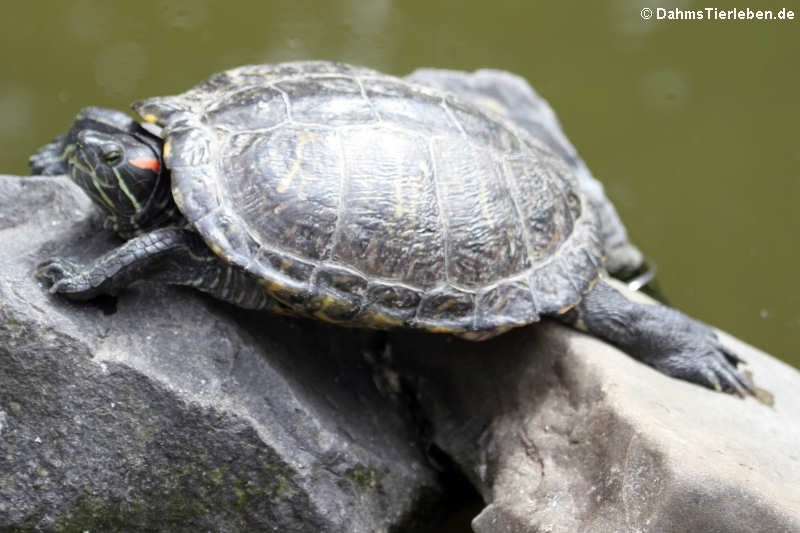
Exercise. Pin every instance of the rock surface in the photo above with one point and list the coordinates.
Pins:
(562, 433)
(164, 410)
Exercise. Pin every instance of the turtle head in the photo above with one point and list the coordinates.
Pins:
(117, 163)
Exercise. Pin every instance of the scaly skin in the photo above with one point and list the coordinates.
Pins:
(167, 255)
(660, 336)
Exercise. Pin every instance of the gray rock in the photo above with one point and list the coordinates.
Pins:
(563, 433)
(165, 410)
(510, 95)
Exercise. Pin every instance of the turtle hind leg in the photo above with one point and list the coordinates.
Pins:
(167, 255)
(660, 336)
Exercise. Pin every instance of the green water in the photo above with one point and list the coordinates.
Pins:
(691, 125)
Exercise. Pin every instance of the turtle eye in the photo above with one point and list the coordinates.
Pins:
(112, 156)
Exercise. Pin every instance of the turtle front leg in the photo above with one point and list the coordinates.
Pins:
(167, 255)
(660, 336)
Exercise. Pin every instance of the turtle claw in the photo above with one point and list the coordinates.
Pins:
(731, 356)
(63, 286)
(664, 338)
(692, 351)
(64, 276)
(712, 367)
(733, 379)
(55, 270)
(730, 380)
(710, 379)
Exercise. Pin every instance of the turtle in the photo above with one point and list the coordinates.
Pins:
(336, 192)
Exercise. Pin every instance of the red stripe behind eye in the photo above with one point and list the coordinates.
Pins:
(146, 162)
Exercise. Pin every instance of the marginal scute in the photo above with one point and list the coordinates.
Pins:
(301, 69)
(394, 301)
(288, 271)
(162, 109)
(506, 304)
(447, 309)
(340, 280)
(226, 231)
(287, 280)
(582, 263)
(215, 83)
(557, 286)
(338, 293)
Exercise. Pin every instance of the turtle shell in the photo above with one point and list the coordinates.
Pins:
(363, 199)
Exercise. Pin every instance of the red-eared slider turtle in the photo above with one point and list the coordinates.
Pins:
(325, 190)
